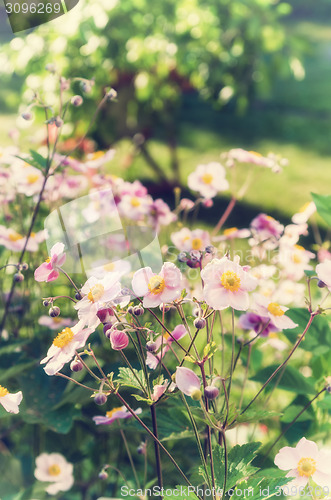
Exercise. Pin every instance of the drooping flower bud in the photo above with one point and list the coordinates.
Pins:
(18, 277)
(151, 346)
(199, 323)
(76, 365)
(78, 296)
(211, 392)
(77, 100)
(118, 339)
(45, 303)
(100, 398)
(54, 312)
(106, 315)
(321, 284)
(103, 474)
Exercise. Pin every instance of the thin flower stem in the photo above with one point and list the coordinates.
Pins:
(227, 403)
(8, 265)
(58, 374)
(133, 372)
(171, 458)
(245, 376)
(225, 464)
(196, 434)
(143, 363)
(225, 216)
(184, 320)
(204, 380)
(130, 457)
(291, 423)
(156, 448)
(232, 354)
(296, 345)
(87, 367)
(71, 281)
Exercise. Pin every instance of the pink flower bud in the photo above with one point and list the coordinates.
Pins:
(119, 340)
(208, 203)
(105, 315)
(211, 392)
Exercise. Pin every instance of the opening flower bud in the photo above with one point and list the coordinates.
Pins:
(138, 311)
(118, 339)
(211, 392)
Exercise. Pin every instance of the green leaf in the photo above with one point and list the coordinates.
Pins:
(38, 159)
(181, 491)
(318, 337)
(239, 468)
(323, 206)
(291, 380)
(264, 484)
(127, 379)
(256, 415)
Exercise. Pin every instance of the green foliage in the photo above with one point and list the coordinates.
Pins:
(291, 380)
(127, 379)
(323, 206)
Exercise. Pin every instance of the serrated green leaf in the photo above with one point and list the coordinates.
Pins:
(256, 415)
(127, 379)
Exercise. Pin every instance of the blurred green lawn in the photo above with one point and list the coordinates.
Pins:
(294, 122)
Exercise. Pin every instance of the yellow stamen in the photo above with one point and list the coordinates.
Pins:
(48, 260)
(54, 470)
(207, 178)
(3, 391)
(97, 155)
(231, 281)
(255, 153)
(64, 338)
(15, 236)
(156, 285)
(32, 178)
(230, 230)
(96, 292)
(306, 467)
(109, 267)
(135, 202)
(110, 413)
(304, 207)
(197, 244)
(298, 247)
(275, 309)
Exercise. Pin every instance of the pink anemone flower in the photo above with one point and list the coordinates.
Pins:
(188, 382)
(48, 271)
(115, 414)
(157, 288)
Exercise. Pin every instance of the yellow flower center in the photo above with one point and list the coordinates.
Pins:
(109, 267)
(97, 155)
(32, 178)
(230, 230)
(304, 207)
(299, 247)
(275, 309)
(48, 260)
(156, 284)
(135, 202)
(255, 153)
(15, 236)
(197, 243)
(3, 391)
(110, 413)
(96, 292)
(207, 178)
(64, 338)
(306, 467)
(54, 470)
(231, 281)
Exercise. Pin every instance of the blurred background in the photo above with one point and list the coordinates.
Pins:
(194, 79)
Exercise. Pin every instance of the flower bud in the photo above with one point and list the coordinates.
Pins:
(64, 83)
(142, 448)
(103, 474)
(193, 264)
(77, 100)
(76, 365)
(151, 346)
(321, 284)
(18, 277)
(328, 388)
(138, 311)
(25, 266)
(27, 115)
(45, 303)
(106, 315)
(118, 339)
(58, 121)
(196, 395)
(211, 392)
(208, 203)
(86, 87)
(107, 330)
(130, 310)
(164, 308)
(54, 312)
(199, 323)
(182, 257)
(209, 249)
(100, 398)
(111, 94)
(78, 296)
